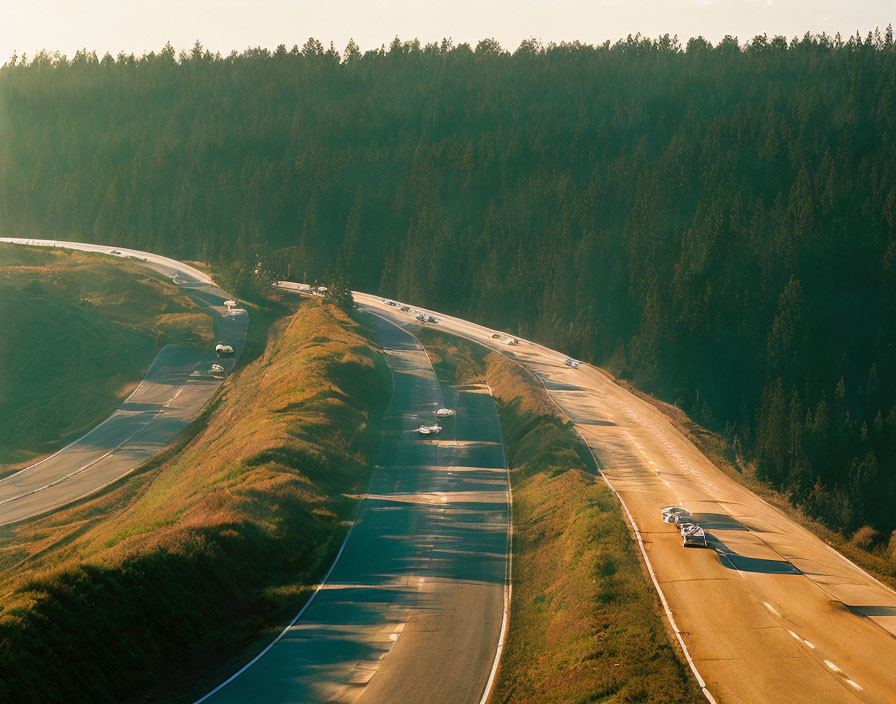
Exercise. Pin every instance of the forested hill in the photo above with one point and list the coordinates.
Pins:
(718, 223)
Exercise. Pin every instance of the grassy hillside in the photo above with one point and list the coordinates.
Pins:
(79, 331)
(585, 623)
(180, 567)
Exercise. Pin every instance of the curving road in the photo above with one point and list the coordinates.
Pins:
(413, 608)
(771, 613)
(176, 387)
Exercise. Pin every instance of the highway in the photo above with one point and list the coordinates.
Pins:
(413, 607)
(771, 613)
(176, 387)
(412, 610)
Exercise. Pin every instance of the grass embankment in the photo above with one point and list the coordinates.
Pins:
(585, 623)
(78, 332)
(182, 566)
(872, 551)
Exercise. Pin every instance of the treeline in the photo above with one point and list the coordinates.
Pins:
(716, 222)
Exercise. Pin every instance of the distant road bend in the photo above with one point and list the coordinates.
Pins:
(176, 387)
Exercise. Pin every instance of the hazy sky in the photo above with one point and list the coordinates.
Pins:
(222, 25)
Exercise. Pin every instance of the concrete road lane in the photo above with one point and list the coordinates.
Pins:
(770, 613)
(176, 387)
(412, 610)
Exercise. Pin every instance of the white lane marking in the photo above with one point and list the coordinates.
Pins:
(854, 685)
(770, 608)
(291, 623)
(795, 636)
(832, 666)
(809, 644)
(508, 582)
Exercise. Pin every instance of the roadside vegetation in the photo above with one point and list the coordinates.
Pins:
(586, 624)
(78, 333)
(207, 549)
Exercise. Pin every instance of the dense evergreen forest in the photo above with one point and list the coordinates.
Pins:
(718, 223)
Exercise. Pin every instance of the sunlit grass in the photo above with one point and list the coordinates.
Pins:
(178, 568)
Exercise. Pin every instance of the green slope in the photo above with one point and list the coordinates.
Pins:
(78, 332)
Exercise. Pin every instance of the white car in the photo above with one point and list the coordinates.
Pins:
(671, 513)
(429, 429)
(217, 369)
(230, 305)
(444, 413)
(572, 363)
(693, 536)
(223, 350)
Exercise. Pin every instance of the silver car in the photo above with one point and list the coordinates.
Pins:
(693, 536)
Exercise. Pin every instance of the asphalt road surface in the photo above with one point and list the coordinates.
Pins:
(770, 613)
(176, 387)
(412, 609)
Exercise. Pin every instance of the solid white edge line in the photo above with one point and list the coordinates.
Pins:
(508, 579)
(288, 626)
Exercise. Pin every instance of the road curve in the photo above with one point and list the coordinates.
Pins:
(176, 387)
(412, 609)
(772, 613)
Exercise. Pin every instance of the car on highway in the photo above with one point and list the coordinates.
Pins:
(321, 290)
(693, 536)
(405, 309)
(444, 413)
(136, 258)
(217, 369)
(116, 252)
(672, 514)
(572, 363)
(429, 429)
(223, 350)
(432, 319)
(420, 317)
(230, 305)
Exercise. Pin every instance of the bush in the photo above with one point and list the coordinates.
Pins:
(867, 538)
